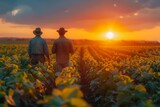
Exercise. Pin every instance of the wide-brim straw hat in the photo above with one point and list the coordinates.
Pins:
(37, 31)
(62, 30)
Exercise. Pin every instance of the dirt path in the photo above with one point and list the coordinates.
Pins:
(84, 81)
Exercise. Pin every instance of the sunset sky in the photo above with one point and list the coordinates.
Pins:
(84, 19)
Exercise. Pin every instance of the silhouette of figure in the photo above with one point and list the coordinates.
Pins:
(62, 47)
(38, 48)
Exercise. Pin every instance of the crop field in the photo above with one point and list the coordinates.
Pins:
(99, 76)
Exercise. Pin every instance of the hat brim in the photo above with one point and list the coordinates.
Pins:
(62, 31)
(35, 33)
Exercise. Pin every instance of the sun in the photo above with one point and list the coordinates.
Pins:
(110, 35)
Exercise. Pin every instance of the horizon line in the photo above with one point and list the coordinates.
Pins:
(79, 39)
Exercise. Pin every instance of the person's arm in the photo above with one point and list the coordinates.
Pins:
(71, 48)
(29, 49)
(54, 48)
(45, 48)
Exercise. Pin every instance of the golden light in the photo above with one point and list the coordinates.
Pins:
(110, 35)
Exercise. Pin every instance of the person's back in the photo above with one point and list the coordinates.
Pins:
(37, 44)
(38, 48)
(62, 47)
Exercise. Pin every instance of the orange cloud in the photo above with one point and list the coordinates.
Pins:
(97, 33)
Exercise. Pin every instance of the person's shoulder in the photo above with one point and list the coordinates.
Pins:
(43, 40)
(32, 39)
(56, 40)
(69, 40)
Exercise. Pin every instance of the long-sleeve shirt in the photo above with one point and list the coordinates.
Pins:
(62, 47)
(37, 45)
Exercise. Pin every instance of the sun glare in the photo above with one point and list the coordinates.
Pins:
(110, 35)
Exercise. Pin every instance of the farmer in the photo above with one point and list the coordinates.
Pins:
(62, 47)
(38, 48)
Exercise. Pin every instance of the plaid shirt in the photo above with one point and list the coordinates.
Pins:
(62, 47)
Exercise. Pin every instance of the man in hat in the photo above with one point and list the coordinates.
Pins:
(62, 47)
(38, 48)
